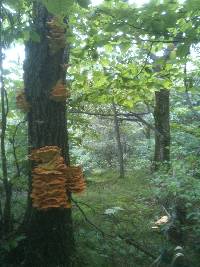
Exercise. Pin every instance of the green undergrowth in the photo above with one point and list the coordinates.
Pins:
(113, 221)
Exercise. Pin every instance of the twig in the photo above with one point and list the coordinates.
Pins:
(86, 219)
(12, 141)
(129, 241)
(146, 123)
(156, 262)
(126, 117)
(145, 62)
(85, 204)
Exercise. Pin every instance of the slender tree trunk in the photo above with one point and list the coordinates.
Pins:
(4, 110)
(1, 219)
(162, 140)
(162, 115)
(50, 234)
(119, 144)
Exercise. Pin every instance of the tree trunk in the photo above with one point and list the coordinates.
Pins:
(162, 140)
(119, 144)
(1, 219)
(50, 234)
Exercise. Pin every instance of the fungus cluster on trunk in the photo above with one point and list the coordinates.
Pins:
(74, 179)
(59, 92)
(52, 179)
(56, 35)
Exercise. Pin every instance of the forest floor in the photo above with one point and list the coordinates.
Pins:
(113, 221)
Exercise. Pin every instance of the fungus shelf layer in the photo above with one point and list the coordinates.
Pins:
(59, 92)
(52, 179)
(75, 182)
(48, 179)
(56, 37)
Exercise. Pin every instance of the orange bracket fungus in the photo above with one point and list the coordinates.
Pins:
(22, 103)
(74, 179)
(48, 179)
(59, 92)
(52, 179)
(56, 37)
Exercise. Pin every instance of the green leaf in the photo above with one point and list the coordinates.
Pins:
(173, 55)
(108, 48)
(183, 50)
(167, 84)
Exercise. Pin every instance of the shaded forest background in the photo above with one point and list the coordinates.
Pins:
(132, 119)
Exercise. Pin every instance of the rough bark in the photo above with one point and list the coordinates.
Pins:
(50, 234)
(162, 140)
(119, 144)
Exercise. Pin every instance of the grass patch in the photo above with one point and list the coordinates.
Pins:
(123, 209)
